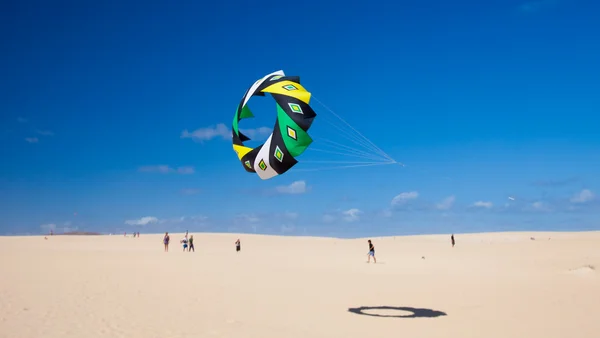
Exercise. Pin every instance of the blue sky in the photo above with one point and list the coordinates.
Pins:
(111, 112)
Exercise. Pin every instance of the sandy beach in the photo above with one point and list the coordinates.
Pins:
(488, 285)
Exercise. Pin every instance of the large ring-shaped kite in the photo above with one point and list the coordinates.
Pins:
(289, 138)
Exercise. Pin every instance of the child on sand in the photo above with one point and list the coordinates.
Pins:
(452, 239)
(184, 241)
(238, 245)
(371, 252)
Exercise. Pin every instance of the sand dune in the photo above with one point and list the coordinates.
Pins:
(489, 285)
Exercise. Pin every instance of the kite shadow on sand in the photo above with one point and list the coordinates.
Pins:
(412, 312)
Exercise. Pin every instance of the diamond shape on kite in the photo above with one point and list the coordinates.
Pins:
(292, 133)
(262, 165)
(295, 108)
(278, 154)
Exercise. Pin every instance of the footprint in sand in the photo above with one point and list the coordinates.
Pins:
(583, 270)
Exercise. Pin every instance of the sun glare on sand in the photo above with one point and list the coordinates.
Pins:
(489, 285)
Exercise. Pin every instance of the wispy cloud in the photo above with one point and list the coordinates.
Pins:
(48, 226)
(32, 139)
(287, 228)
(246, 218)
(142, 221)
(351, 215)
(256, 133)
(165, 169)
(297, 187)
(482, 204)
(208, 133)
(582, 201)
(186, 170)
(446, 203)
(21, 120)
(171, 222)
(404, 197)
(66, 228)
(538, 206)
(222, 131)
(183, 219)
(583, 196)
(343, 215)
(536, 6)
(45, 132)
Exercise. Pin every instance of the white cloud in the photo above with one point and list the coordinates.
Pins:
(32, 139)
(186, 170)
(482, 204)
(540, 206)
(583, 196)
(256, 132)
(208, 133)
(165, 169)
(297, 187)
(222, 131)
(447, 203)
(142, 221)
(404, 197)
(246, 218)
(351, 215)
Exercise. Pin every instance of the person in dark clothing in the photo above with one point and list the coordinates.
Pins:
(371, 253)
(166, 241)
(191, 244)
(452, 239)
(238, 245)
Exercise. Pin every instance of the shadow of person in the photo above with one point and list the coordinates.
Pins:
(413, 312)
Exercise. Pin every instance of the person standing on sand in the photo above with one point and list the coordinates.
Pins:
(371, 252)
(166, 241)
(452, 239)
(184, 241)
(191, 244)
(238, 245)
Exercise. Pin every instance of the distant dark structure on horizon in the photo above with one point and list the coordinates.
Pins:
(79, 233)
